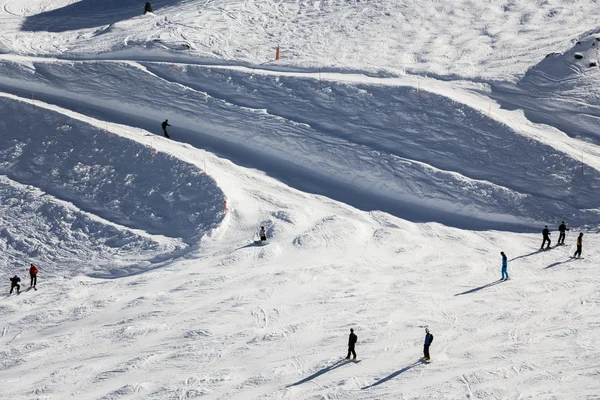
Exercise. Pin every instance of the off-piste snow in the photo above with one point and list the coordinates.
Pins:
(182, 215)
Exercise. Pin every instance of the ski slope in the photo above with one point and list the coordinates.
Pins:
(391, 154)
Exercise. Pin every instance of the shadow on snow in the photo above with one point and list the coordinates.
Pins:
(480, 288)
(89, 14)
(325, 370)
(393, 375)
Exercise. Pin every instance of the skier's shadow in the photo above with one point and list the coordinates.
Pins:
(559, 263)
(525, 255)
(252, 244)
(392, 376)
(480, 287)
(320, 372)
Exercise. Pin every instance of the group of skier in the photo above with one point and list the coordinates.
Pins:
(354, 338)
(14, 281)
(562, 228)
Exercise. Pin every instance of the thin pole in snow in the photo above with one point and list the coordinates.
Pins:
(490, 112)
(32, 101)
(581, 161)
(419, 88)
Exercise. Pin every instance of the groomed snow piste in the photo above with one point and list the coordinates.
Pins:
(391, 154)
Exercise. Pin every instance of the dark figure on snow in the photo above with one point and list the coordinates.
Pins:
(148, 8)
(14, 283)
(351, 343)
(428, 340)
(504, 267)
(546, 234)
(262, 234)
(164, 126)
(33, 271)
(561, 237)
(579, 244)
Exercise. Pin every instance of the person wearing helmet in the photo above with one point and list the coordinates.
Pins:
(561, 237)
(428, 341)
(546, 235)
(351, 343)
(262, 234)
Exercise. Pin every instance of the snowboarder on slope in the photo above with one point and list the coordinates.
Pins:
(561, 237)
(428, 340)
(579, 244)
(14, 283)
(504, 267)
(164, 126)
(148, 8)
(33, 270)
(262, 234)
(351, 343)
(546, 234)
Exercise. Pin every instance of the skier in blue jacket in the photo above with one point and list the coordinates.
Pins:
(504, 267)
(428, 340)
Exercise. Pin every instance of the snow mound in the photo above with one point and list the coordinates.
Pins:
(99, 196)
(557, 67)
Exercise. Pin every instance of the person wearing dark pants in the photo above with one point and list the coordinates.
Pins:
(164, 126)
(14, 283)
(148, 8)
(546, 234)
(579, 244)
(351, 343)
(561, 237)
(504, 267)
(428, 340)
(33, 271)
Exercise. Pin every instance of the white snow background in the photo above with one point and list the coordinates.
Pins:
(392, 152)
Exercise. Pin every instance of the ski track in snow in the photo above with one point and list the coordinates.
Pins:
(90, 190)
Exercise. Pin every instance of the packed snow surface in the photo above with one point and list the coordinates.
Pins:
(391, 154)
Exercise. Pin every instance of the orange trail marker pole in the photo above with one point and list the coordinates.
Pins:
(277, 54)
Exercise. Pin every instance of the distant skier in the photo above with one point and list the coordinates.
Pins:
(504, 267)
(262, 234)
(33, 271)
(428, 341)
(579, 244)
(561, 238)
(351, 343)
(546, 234)
(14, 283)
(148, 8)
(164, 126)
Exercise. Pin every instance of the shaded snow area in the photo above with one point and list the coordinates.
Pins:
(99, 197)
(391, 154)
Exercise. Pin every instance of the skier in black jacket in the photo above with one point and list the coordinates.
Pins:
(14, 283)
(428, 341)
(561, 237)
(148, 8)
(546, 234)
(164, 126)
(351, 343)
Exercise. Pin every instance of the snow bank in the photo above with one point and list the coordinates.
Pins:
(96, 191)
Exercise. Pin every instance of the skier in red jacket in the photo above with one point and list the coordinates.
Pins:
(33, 270)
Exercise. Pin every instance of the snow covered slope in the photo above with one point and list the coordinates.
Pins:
(387, 198)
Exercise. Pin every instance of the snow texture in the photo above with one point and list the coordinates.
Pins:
(391, 154)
